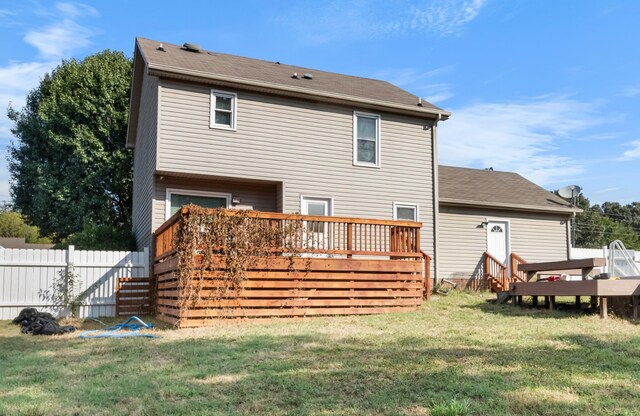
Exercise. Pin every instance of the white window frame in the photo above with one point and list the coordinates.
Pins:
(303, 208)
(356, 162)
(189, 192)
(397, 205)
(234, 110)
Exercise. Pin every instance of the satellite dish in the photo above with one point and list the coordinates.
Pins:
(570, 191)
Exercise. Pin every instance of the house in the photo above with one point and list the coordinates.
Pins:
(499, 213)
(221, 130)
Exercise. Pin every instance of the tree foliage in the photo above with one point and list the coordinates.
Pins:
(597, 226)
(13, 225)
(69, 165)
(100, 237)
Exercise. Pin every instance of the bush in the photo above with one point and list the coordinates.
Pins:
(12, 224)
(100, 237)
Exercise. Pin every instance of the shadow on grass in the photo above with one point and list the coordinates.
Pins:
(313, 374)
(564, 309)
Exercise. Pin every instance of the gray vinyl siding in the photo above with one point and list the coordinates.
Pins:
(144, 163)
(260, 197)
(535, 237)
(307, 146)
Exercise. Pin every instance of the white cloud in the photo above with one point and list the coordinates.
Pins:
(446, 17)
(633, 153)
(517, 136)
(22, 76)
(630, 92)
(374, 19)
(60, 39)
(421, 83)
(65, 36)
(16, 80)
(74, 10)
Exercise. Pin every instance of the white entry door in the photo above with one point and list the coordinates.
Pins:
(498, 240)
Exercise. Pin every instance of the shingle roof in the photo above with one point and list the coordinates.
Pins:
(215, 65)
(504, 190)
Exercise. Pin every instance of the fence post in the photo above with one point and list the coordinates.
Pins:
(147, 270)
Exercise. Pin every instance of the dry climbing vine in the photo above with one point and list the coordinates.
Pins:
(224, 245)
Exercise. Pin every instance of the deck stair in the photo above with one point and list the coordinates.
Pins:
(496, 272)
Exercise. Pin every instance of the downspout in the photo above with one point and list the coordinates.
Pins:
(436, 203)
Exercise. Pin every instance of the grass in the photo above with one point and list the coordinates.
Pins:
(456, 355)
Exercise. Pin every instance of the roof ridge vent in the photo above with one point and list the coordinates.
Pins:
(192, 47)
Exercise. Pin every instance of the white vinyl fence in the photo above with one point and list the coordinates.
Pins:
(585, 253)
(25, 274)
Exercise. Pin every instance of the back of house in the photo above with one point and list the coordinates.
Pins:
(221, 130)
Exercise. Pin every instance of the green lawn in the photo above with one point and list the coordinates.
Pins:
(457, 355)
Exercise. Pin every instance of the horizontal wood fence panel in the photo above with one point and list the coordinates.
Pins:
(292, 312)
(304, 284)
(322, 286)
(134, 296)
(26, 274)
(300, 293)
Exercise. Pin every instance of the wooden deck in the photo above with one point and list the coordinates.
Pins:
(597, 289)
(357, 266)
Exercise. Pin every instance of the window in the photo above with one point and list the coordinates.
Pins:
(223, 110)
(366, 139)
(176, 198)
(406, 212)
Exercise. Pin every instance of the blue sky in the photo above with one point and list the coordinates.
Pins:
(549, 89)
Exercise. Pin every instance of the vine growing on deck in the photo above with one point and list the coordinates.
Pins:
(217, 247)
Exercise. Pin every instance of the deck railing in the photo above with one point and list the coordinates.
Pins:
(427, 275)
(496, 272)
(319, 235)
(517, 275)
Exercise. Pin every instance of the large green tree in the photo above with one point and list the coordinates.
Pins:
(69, 166)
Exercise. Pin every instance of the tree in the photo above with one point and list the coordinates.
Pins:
(12, 225)
(69, 165)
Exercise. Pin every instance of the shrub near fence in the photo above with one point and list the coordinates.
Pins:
(26, 273)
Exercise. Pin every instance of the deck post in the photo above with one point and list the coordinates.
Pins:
(534, 301)
(578, 302)
(603, 307)
(350, 239)
(634, 301)
(594, 302)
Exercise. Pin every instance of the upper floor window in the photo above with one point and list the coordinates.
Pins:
(366, 139)
(223, 110)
